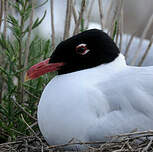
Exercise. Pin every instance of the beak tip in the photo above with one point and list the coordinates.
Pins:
(26, 78)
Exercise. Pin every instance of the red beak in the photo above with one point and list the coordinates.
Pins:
(42, 68)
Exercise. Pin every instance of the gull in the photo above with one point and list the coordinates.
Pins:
(95, 94)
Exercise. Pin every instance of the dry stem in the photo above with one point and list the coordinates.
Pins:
(121, 26)
(52, 23)
(68, 19)
(76, 29)
(29, 35)
(74, 13)
(4, 9)
(30, 116)
(100, 13)
(141, 40)
(146, 52)
(1, 11)
(128, 45)
(5, 18)
(89, 13)
(33, 132)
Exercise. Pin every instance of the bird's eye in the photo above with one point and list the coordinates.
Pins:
(82, 49)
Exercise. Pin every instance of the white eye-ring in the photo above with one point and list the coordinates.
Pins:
(82, 49)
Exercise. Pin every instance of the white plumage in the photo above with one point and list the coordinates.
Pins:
(94, 103)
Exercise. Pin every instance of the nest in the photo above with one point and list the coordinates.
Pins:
(134, 142)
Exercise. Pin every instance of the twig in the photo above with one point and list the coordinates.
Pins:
(74, 13)
(33, 132)
(1, 90)
(29, 35)
(101, 13)
(76, 143)
(141, 136)
(25, 137)
(31, 94)
(117, 33)
(52, 23)
(129, 146)
(110, 7)
(83, 4)
(5, 18)
(68, 19)
(20, 54)
(123, 146)
(128, 45)
(113, 19)
(119, 22)
(10, 143)
(89, 13)
(28, 125)
(32, 125)
(146, 52)
(1, 12)
(141, 39)
(148, 146)
(133, 133)
(17, 132)
(26, 147)
(4, 9)
(24, 110)
(121, 27)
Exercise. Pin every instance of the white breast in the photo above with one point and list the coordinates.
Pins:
(98, 102)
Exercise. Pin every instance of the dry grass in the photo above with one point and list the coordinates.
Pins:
(135, 142)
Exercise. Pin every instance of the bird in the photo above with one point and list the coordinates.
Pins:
(95, 93)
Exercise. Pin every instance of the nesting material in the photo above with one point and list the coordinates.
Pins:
(136, 142)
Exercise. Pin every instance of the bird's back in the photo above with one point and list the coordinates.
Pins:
(129, 102)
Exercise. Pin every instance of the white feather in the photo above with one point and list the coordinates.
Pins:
(94, 103)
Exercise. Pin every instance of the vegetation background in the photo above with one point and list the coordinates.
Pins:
(21, 46)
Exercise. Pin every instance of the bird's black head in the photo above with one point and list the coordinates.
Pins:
(85, 50)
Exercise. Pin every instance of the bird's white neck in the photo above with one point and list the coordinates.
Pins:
(115, 65)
